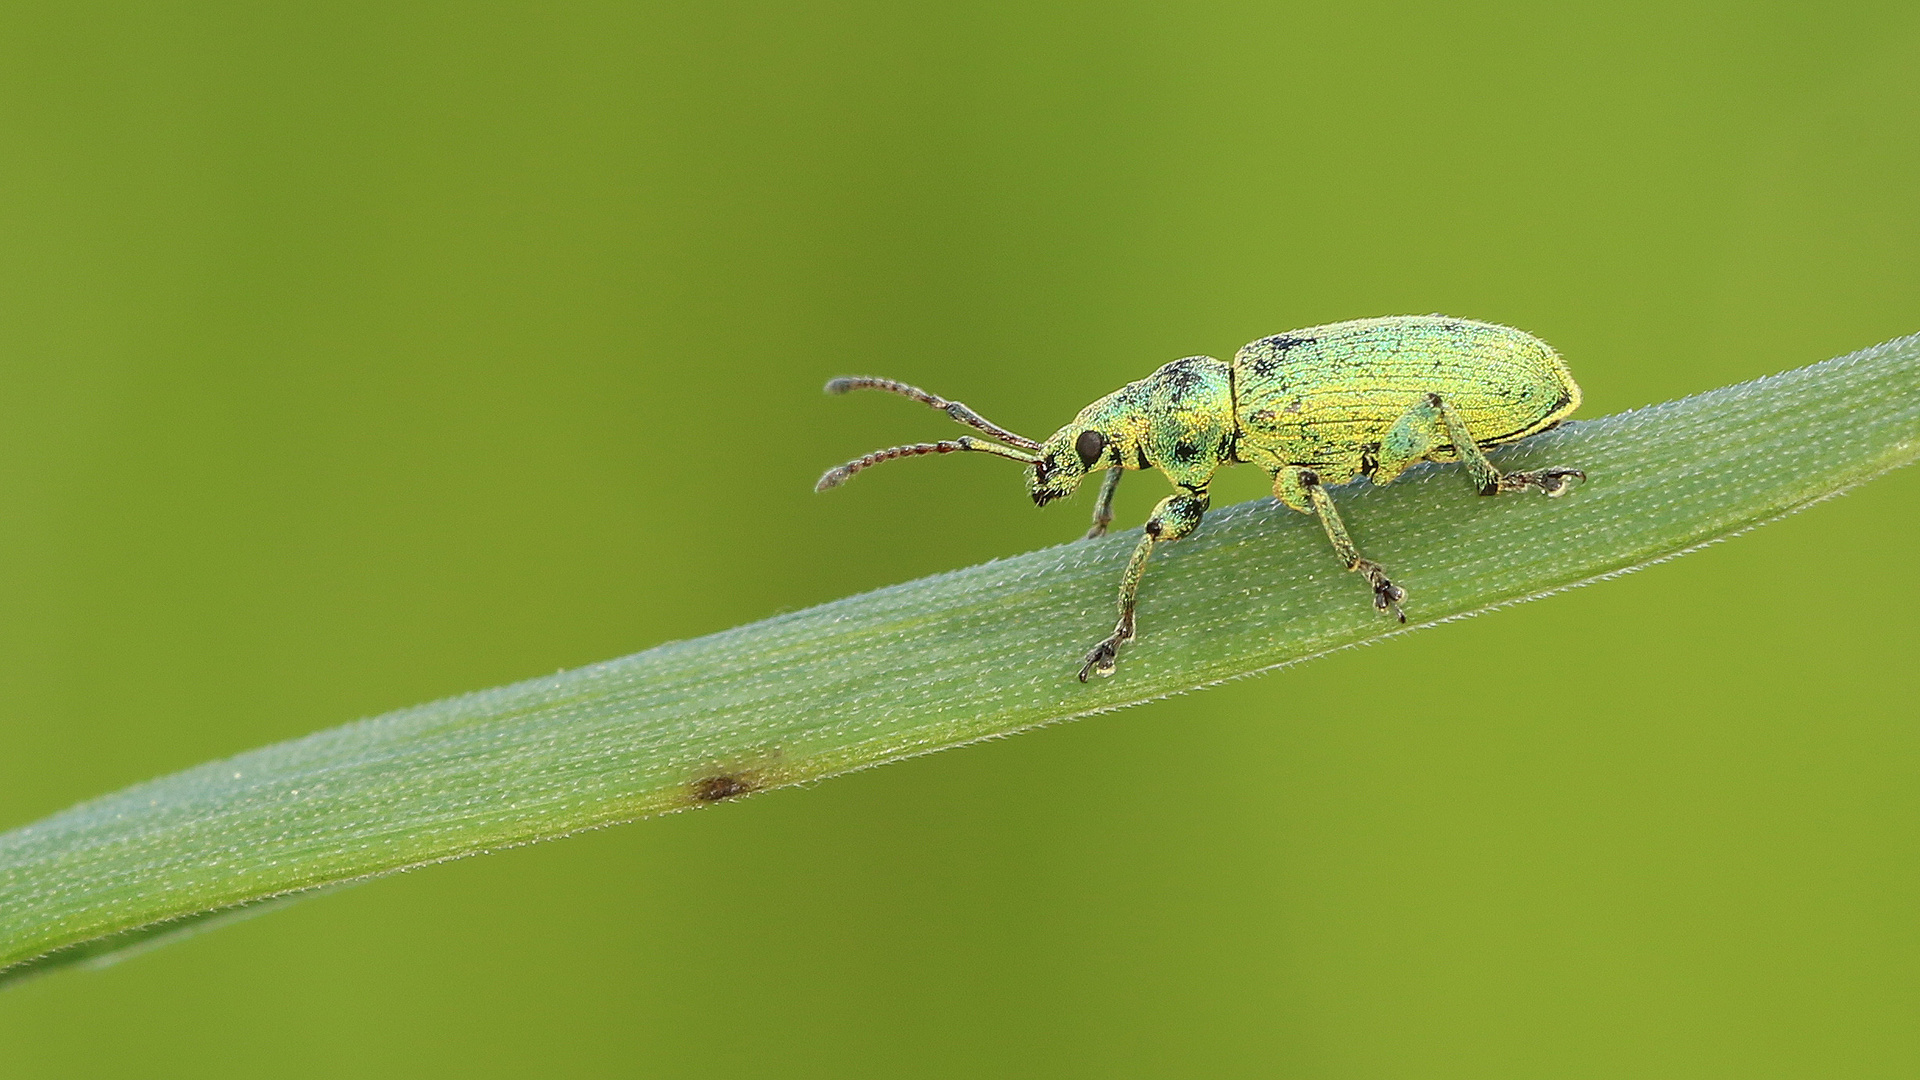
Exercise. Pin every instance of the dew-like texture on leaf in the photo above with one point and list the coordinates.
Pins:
(979, 652)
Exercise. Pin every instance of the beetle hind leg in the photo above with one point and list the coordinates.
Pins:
(1434, 422)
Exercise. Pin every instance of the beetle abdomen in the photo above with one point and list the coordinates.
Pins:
(1330, 392)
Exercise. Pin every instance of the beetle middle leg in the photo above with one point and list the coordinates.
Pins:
(1176, 516)
(1414, 436)
(1300, 488)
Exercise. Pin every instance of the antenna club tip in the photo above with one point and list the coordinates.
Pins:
(839, 386)
(833, 478)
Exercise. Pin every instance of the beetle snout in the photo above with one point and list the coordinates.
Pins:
(1054, 477)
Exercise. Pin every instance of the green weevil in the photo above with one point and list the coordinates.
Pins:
(1316, 408)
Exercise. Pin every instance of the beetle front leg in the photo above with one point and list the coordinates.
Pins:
(1103, 510)
(1415, 434)
(1300, 488)
(1175, 517)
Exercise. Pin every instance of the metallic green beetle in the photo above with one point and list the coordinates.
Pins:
(1315, 408)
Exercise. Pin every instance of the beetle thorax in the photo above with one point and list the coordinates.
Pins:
(1178, 419)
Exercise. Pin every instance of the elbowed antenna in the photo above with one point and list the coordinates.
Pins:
(839, 474)
(952, 408)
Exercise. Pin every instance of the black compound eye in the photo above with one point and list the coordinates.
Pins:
(1090, 445)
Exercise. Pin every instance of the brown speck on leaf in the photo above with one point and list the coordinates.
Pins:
(712, 789)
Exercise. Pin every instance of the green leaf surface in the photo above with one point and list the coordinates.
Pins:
(985, 651)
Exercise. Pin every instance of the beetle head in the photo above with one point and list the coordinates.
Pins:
(1065, 460)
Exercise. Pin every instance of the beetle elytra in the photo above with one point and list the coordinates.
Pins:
(1315, 408)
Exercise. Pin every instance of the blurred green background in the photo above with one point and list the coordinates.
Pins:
(353, 355)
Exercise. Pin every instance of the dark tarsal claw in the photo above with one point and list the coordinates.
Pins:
(1387, 596)
(1100, 661)
(1553, 482)
(1389, 599)
(1557, 482)
(1101, 657)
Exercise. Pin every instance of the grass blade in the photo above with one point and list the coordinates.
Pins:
(980, 652)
